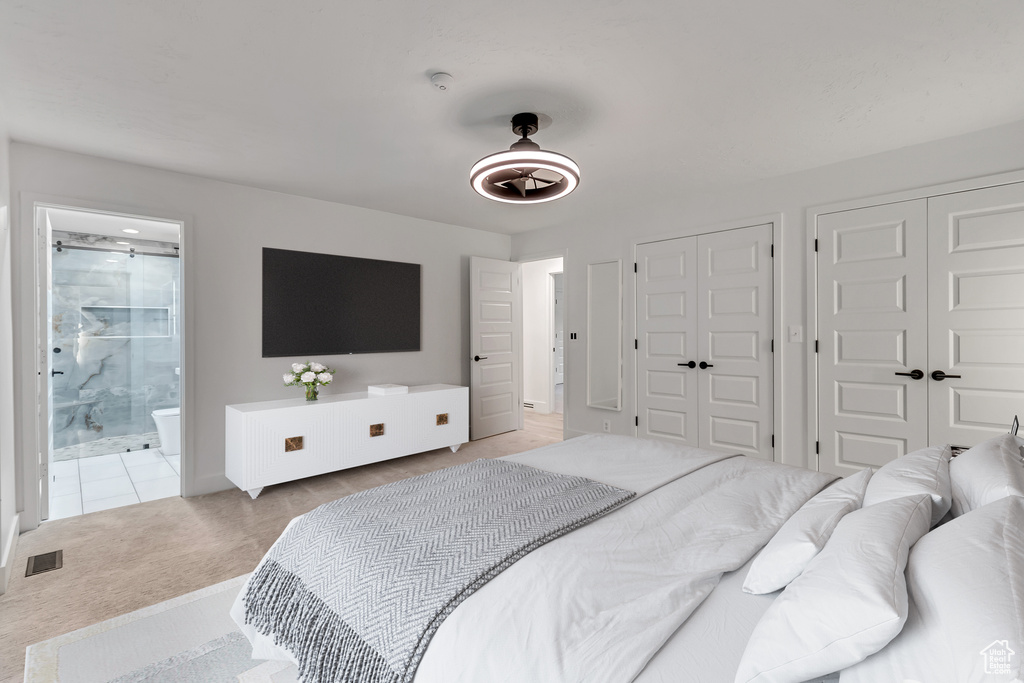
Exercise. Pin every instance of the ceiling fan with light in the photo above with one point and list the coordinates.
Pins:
(525, 174)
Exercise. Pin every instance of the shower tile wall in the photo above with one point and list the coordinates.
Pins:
(118, 363)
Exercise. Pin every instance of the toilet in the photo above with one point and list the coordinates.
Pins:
(168, 426)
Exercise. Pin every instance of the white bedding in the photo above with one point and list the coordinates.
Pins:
(597, 604)
(708, 646)
(711, 641)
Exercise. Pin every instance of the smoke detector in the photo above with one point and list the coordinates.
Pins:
(442, 81)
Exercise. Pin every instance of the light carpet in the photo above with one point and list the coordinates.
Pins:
(188, 639)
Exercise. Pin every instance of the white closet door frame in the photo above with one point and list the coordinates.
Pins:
(811, 286)
(778, 263)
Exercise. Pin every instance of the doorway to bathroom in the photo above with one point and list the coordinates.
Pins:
(113, 354)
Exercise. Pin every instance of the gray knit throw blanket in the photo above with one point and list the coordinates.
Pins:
(356, 588)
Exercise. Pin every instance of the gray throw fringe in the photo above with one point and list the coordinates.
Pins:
(326, 648)
(356, 588)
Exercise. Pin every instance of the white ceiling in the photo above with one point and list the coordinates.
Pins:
(127, 228)
(651, 97)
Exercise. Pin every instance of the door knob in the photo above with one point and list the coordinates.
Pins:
(705, 366)
(479, 358)
(691, 364)
(55, 372)
(913, 374)
(939, 375)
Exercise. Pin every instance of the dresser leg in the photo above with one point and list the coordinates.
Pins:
(254, 492)
(455, 447)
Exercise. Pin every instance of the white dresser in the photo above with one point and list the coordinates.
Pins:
(276, 441)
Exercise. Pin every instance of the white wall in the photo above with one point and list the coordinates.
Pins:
(226, 228)
(785, 200)
(537, 321)
(8, 497)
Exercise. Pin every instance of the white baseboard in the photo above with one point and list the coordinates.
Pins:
(540, 406)
(7, 558)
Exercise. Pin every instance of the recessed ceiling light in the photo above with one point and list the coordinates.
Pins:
(124, 242)
(111, 260)
(525, 174)
(130, 231)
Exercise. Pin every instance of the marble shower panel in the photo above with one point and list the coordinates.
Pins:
(106, 309)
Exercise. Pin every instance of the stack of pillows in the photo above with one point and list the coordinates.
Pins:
(871, 591)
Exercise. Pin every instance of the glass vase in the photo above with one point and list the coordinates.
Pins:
(311, 392)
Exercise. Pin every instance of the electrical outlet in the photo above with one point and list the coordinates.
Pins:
(606, 425)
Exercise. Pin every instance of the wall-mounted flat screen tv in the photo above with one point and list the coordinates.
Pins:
(325, 304)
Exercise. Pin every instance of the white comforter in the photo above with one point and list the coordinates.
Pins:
(596, 604)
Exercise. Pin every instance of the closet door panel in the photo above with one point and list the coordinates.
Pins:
(735, 327)
(872, 323)
(667, 400)
(976, 313)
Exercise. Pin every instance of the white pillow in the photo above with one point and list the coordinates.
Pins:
(966, 584)
(987, 472)
(849, 602)
(922, 471)
(804, 535)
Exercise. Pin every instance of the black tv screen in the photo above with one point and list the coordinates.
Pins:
(324, 304)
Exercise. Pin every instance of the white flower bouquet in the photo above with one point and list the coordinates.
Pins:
(312, 375)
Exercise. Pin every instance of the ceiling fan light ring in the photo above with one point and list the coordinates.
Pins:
(516, 159)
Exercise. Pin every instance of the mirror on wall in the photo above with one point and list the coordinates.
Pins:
(604, 335)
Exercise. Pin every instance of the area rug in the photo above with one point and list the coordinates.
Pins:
(188, 639)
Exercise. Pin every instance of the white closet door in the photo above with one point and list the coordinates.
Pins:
(872, 324)
(976, 313)
(667, 400)
(735, 336)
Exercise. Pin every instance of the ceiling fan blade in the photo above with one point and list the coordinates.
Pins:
(547, 183)
(520, 184)
(499, 177)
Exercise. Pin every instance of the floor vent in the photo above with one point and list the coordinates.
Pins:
(47, 562)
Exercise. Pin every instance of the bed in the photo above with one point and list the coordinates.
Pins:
(694, 565)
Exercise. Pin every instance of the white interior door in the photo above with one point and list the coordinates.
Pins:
(666, 322)
(735, 323)
(495, 328)
(976, 313)
(872, 326)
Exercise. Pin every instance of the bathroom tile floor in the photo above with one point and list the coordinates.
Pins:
(102, 482)
(110, 444)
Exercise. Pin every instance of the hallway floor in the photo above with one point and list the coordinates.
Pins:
(103, 482)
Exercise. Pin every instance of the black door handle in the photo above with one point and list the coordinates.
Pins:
(479, 358)
(913, 374)
(55, 372)
(705, 366)
(939, 375)
(691, 364)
